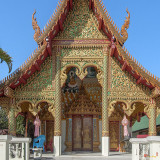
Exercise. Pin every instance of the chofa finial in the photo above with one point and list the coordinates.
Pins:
(125, 26)
(35, 27)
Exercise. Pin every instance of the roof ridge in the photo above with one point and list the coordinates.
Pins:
(109, 19)
(144, 72)
(24, 65)
(53, 19)
(107, 15)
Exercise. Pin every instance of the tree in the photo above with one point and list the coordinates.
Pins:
(3, 119)
(6, 58)
(20, 125)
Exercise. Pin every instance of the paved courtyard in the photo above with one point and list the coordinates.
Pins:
(87, 156)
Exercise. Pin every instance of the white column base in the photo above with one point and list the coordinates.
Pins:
(4, 147)
(27, 151)
(105, 146)
(135, 151)
(57, 146)
(154, 142)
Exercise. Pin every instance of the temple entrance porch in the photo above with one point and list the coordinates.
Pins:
(82, 124)
(81, 103)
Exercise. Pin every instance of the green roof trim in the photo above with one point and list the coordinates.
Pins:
(143, 124)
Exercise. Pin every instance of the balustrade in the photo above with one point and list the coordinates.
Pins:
(146, 148)
(13, 148)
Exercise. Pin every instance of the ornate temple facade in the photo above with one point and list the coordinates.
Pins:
(81, 81)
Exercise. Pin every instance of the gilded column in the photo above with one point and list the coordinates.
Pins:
(57, 122)
(105, 121)
(57, 127)
(152, 118)
(68, 141)
(12, 120)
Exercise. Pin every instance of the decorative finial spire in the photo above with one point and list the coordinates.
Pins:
(35, 27)
(125, 27)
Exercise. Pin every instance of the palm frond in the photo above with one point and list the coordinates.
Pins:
(6, 58)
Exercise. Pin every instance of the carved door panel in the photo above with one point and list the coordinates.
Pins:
(114, 135)
(82, 133)
(43, 130)
(87, 134)
(77, 133)
(49, 131)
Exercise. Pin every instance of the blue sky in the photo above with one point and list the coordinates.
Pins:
(16, 33)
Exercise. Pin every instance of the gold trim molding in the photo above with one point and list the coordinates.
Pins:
(34, 109)
(129, 107)
(111, 108)
(81, 71)
(51, 109)
(17, 109)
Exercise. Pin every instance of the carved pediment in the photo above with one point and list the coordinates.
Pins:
(81, 23)
(124, 84)
(83, 105)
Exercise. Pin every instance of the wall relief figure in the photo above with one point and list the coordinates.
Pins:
(91, 72)
(72, 82)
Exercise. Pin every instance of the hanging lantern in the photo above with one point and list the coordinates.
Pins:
(125, 123)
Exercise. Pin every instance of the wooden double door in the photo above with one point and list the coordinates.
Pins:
(82, 135)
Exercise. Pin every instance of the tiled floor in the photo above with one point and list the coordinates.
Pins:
(87, 156)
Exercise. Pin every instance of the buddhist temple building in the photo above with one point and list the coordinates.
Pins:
(81, 81)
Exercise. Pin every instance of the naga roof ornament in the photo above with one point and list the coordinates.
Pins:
(125, 27)
(35, 27)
